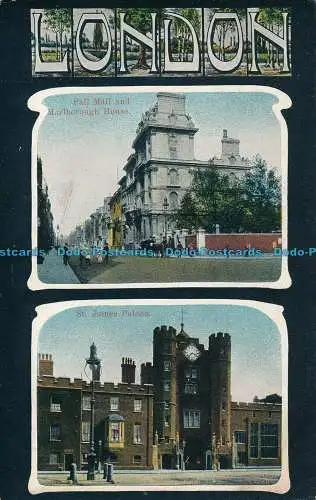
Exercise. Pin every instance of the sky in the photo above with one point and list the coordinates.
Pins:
(255, 339)
(83, 155)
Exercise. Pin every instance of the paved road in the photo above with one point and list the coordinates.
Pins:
(54, 271)
(173, 478)
(157, 270)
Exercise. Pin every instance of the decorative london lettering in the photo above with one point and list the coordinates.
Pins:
(168, 41)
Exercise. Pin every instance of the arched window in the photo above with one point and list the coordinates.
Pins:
(173, 200)
(173, 177)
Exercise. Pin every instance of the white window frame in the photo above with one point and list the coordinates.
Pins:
(85, 431)
(54, 462)
(114, 403)
(55, 407)
(138, 405)
(50, 432)
(191, 419)
(137, 434)
(85, 399)
(244, 436)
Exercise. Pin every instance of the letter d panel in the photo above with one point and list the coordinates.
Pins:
(94, 42)
(181, 35)
(225, 42)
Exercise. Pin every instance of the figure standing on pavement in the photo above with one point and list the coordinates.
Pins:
(65, 256)
(106, 251)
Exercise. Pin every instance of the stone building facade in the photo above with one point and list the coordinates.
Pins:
(161, 168)
(123, 420)
(180, 416)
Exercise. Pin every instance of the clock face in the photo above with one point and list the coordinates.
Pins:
(191, 352)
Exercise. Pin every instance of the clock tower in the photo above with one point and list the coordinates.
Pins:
(192, 397)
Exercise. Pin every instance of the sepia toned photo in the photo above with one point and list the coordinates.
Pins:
(153, 395)
(160, 187)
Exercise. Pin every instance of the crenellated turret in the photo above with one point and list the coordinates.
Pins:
(146, 373)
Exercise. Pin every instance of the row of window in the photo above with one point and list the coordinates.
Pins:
(263, 440)
(116, 432)
(190, 372)
(56, 404)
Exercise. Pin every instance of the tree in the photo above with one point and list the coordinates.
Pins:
(187, 216)
(141, 20)
(262, 198)
(97, 36)
(45, 217)
(59, 22)
(252, 203)
(183, 33)
(272, 19)
(270, 398)
(223, 27)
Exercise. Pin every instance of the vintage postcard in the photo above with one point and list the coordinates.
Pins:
(153, 395)
(160, 186)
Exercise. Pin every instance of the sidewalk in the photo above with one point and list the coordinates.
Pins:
(54, 271)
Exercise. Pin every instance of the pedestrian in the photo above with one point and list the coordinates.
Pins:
(179, 247)
(106, 252)
(66, 256)
(81, 258)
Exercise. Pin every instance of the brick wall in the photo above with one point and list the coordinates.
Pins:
(261, 241)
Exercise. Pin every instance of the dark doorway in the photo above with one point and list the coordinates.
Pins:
(224, 461)
(242, 458)
(166, 461)
(69, 458)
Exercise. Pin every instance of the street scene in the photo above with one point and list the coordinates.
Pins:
(236, 477)
(182, 200)
(138, 402)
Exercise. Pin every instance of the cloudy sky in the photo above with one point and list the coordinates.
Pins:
(255, 338)
(83, 155)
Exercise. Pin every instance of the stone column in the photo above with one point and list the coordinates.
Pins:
(182, 236)
(200, 238)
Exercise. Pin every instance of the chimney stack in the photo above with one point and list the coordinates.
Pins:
(128, 371)
(45, 365)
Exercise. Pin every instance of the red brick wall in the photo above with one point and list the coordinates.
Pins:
(234, 241)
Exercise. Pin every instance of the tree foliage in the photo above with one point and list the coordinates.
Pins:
(97, 36)
(222, 28)
(249, 204)
(141, 20)
(183, 33)
(272, 19)
(45, 218)
(59, 22)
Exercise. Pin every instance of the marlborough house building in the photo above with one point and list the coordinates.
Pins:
(161, 168)
(157, 174)
(180, 415)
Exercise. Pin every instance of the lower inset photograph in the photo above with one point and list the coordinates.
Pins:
(159, 395)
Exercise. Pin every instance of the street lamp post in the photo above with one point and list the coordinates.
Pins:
(134, 226)
(165, 208)
(94, 364)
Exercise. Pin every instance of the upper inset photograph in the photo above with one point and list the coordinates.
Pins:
(159, 187)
